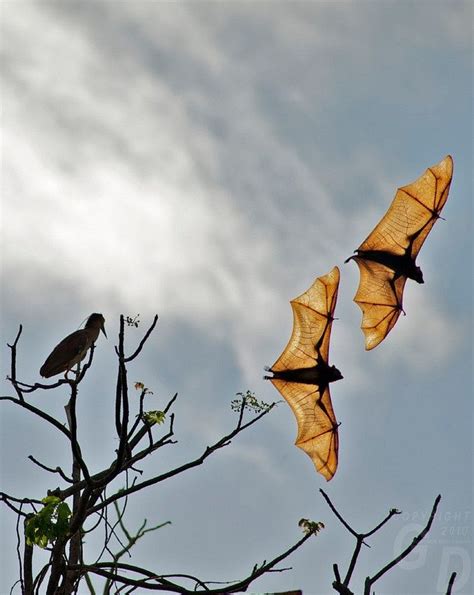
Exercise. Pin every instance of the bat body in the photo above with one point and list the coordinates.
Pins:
(320, 374)
(386, 258)
(302, 373)
(403, 266)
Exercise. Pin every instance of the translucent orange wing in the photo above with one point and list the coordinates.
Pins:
(317, 425)
(413, 212)
(401, 232)
(308, 347)
(380, 297)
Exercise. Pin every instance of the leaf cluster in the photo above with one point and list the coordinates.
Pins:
(51, 522)
(249, 402)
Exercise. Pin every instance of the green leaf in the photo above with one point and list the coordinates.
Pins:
(51, 522)
(154, 417)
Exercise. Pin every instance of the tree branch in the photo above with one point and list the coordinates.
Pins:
(165, 584)
(51, 420)
(331, 506)
(50, 469)
(225, 441)
(13, 347)
(452, 578)
(143, 341)
(31, 501)
(369, 581)
(360, 537)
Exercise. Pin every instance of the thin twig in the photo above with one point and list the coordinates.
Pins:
(165, 584)
(13, 363)
(369, 581)
(51, 420)
(226, 440)
(452, 578)
(50, 469)
(143, 341)
(18, 553)
(31, 501)
(360, 537)
(145, 429)
(331, 506)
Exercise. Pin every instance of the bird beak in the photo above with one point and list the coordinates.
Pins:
(102, 328)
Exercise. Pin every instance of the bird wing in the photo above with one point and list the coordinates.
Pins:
(66, 354)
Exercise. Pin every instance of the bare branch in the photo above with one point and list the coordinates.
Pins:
(18, 548)
(331, 506)
(51, 420)
(194, 463)
(392, 512)
(164, 584)
(12, 377)
(30, 388)
(143, 341)
(145, 429)
(369, 581)
(452, 578)
(76, 449)
(50, 469)
(360, 537)
(27, 580)
(122, 402)
(31, 501)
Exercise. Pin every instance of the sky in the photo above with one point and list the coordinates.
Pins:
(206, 161)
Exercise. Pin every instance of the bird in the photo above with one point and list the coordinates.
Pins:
(73, 349)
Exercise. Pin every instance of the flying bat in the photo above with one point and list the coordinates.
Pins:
(302, 373)
(386, 259)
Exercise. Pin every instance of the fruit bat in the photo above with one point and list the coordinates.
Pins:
(386, 259)
(302, 373)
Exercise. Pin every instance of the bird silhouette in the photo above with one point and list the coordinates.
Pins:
(73, 349)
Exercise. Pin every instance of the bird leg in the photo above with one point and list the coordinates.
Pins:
(77, 371)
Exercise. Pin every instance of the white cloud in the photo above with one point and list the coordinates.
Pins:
(126, 188)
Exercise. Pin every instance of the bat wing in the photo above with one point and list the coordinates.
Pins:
(317, 425)
(309, 344)
(413, 212)
(401, 232)
(380, 297)
(313, 313)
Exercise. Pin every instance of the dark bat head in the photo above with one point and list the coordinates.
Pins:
(334, 374)
(418, 275)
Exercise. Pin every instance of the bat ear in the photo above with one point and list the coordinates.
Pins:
(267, 369)
(336, 373)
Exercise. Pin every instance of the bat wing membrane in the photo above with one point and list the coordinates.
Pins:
(380, 297)
(312, 318)
(317, 425)
(309, 343)
(413, 212)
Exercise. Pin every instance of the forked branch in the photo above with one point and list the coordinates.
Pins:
(342, 586)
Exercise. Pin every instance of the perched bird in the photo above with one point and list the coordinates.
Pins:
(73, 348)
